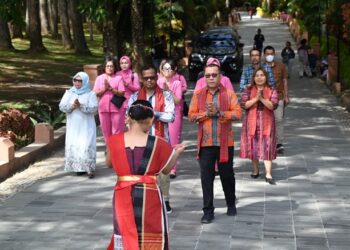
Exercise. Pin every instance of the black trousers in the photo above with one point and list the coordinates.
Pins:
(207, 158)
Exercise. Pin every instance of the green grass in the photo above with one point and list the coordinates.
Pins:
(26, 76)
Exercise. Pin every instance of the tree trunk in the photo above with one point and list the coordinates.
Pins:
(35, 38)
(63, 13)
(137, 32)
(53, 14)
(91, 30)
(109, 29)
(5, 38)
(78, 30)
(16, 31)
(45, 28)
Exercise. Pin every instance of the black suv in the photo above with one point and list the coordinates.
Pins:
(222, 43)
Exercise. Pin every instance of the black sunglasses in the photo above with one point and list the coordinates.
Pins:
(149, 78)
(213, 75)
(77, 80)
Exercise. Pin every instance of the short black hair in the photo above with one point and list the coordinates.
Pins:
(269, 48)
(110, 59)
(254, 49)
(147, 67)
(140, 110)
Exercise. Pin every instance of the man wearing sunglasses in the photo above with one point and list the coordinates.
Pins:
(164, 113)
(214, 108)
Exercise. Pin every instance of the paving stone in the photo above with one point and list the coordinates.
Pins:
(309, 208)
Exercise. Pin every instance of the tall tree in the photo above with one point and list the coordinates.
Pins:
(65, 27)
(13, 12)
(44, 20)
(17, 31)
(53, 14)
(137, 32)
(80, 46)
(110, 29)
(5, 38)
(35, 38)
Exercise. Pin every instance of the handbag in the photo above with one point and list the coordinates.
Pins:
(118, 100)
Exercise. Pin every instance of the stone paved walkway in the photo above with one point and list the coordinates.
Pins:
(307, 209)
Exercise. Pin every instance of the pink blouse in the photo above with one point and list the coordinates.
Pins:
(104, 104)
(133, 84)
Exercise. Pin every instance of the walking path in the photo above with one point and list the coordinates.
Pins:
(307, 209)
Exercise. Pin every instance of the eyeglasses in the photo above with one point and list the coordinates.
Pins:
(77, 80)
(149, 78)
(109, 66)
(213, 75)
(167, 69)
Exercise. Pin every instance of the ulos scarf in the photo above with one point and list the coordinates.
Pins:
(267, 114)
(85, 87)
(159, 107)
(224, 127)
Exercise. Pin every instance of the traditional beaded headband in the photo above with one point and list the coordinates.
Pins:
(142, 106)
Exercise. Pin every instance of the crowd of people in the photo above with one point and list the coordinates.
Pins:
(141, 118)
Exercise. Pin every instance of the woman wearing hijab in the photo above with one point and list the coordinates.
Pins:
(258, 137)
(129, 78)
(107, 85)
(80, 105)
(171, 82)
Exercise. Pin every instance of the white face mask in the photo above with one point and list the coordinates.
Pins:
(269, 58)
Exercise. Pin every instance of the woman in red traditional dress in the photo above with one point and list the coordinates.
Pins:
(258, 137)
(139, 215)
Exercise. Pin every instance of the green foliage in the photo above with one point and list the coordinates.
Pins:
(45, 113)
(10, 11)
(93, 10)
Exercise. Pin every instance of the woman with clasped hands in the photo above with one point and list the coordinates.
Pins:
(112, 119)
(258, 137)
(80, 105)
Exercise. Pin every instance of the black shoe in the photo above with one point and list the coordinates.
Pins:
(168, 207)
(271, 181)
(207, 218)
(280, 149)
(91, 175)
(172, 175)
(254, 176)
(231, 211)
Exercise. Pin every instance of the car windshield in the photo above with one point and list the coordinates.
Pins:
(222, 43)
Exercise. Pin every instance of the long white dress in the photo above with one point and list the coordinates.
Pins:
(80, 150)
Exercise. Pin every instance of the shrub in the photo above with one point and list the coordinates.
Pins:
(17, 126)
